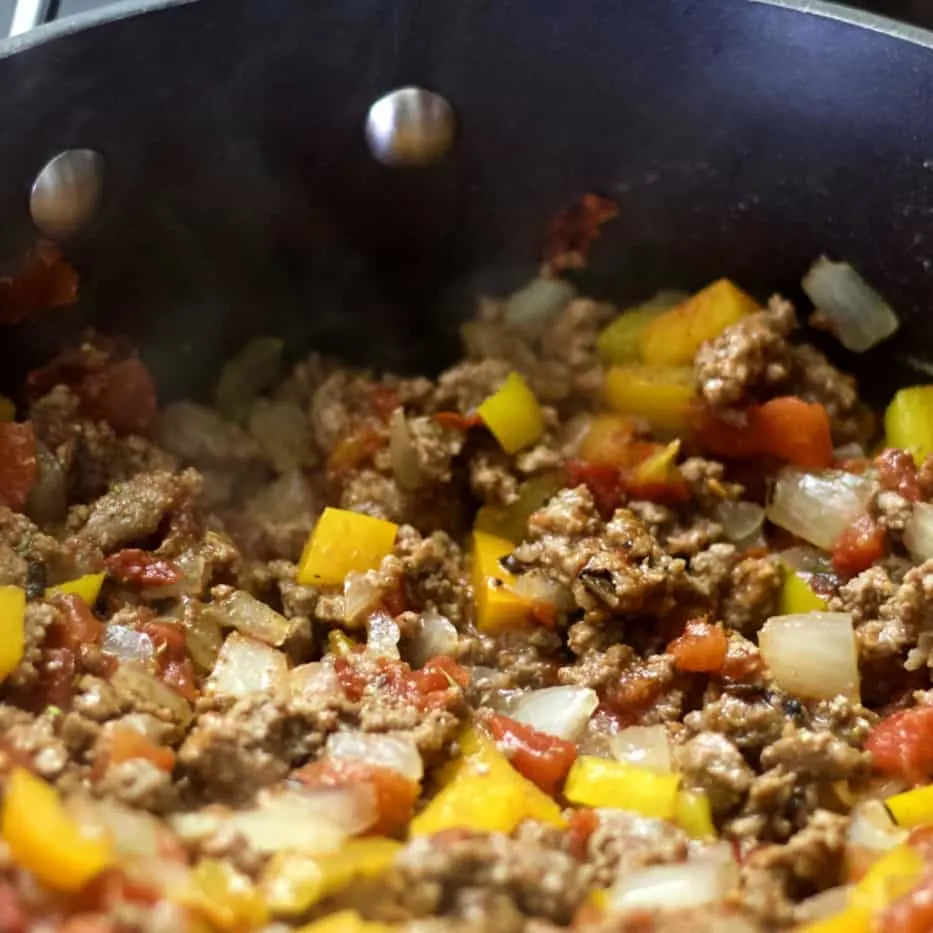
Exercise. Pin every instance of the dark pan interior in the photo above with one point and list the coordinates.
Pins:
(739, 139)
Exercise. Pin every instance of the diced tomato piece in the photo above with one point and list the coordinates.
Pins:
(572, 232)
(858, 547)
(18, 463)
(175, 667)
(742, 662)
(610, 441)
(122, 394)
(395, 793)
(543, 759)
(43, 281)
(635, 691)
(581, 825)
(902, 744)
(140, 568)
(126, 744)
(912, 913)
(352, 681)
(603, 481)
(56, 669)
(457, 421)
(897, 472)
(786, 427)
(701, 649)
(354, 450)
(75, 626)
(450, 669)
(13, 917)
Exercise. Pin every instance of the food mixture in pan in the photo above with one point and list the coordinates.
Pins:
(622, 623)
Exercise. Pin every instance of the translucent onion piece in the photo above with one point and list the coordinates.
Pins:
(538, 586)
(382, 636)
(203, 637)
(48, 498)
(673, 887)
(826, 904)
(362, 593)
(537, 301)
(190, 583)
(146, 687)
(918, 532)
(812, 655)
(647, 746)
(740, 520)
(256, 367)
(806, 560)
(133, 833)
(859, 316)
(406, 467)
(313, 680)
(198, 435)
(289, 498)
(399, 753)
(246, 666)
(560, 711)
(850, 451)
(871, 833)
(435, 635)
(283, 433)
(818, 506)
(250, 616)
(127, 644)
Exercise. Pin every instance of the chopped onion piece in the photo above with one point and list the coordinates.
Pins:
(248, 373)
(314, 680)
(361, 595)
(382, 636)
(850, 451)
(673, 887)
(826, 904)
(538, 300)
(859, 316)
(133, 833)
(560, 711)
(818, 506)
(48, 498)
(647, 746)
(406, 466)
(250, 616)
(918, 532)
(812, 654)
(283, 433)
(872, 828)
(435, 635)
(203, 637)
(538, 586)
(127, 644)
(146, 687)
(806, 560)
(740, 520)
(285, 500)
(190, 583)
(399, 753)
(245, 666)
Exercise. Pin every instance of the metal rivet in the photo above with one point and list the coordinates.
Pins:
(67, 192)
(410, 126)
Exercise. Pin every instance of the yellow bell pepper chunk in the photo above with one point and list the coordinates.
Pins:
(12, 628)
(694, 814)
(597, 782)
(912, 807)
(660, 467)
(342, 542)
(44, 839)
(662, 397)
(340, 644)
(7, 409)
(292, 882)
(798, 596)
(849, 920)
(346, 921)
(86, 588)
(513, 415)
(887, 879)
(511, 521)
(620, 341)
(908, 421)
(483, 792)
(497, 606)
(227, 898)
(674, 338)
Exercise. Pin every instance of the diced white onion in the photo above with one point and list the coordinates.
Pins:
(918, 532)
(871, 833)
(203, 637)
(538, 300)
(250, 616)
(560, 711)
(851, 451)
(245, 666)
(127, 644)
(382, 636)
(859, 316)
(673, 887)
(361, 595)
(133, 833)
(198, 435)
(812, 654)
(435, 635)
(313, 680)
(646, 746)
(818, 506)
(283, 433)
(538, 586)
(740, 520)
(406, 467)
(136, 681)
(285, 500)
(399, 753)
(190, 583)
(806, 560)
(826, 904)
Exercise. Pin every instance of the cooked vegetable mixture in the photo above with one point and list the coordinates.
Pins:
(624, 623)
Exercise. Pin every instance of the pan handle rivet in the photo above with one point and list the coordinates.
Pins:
(66, 194)
(410, 126)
